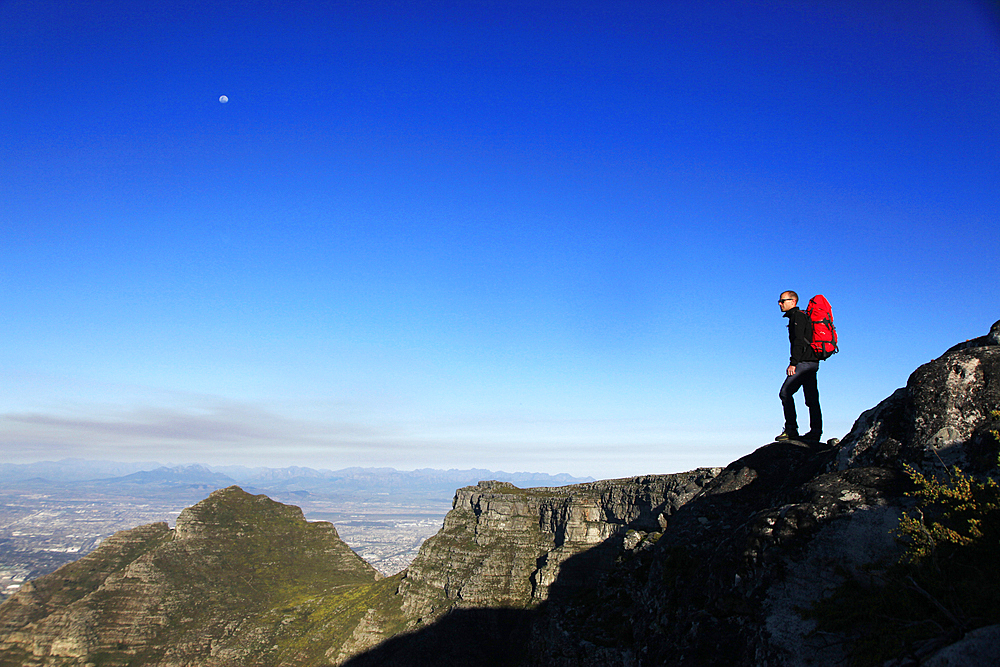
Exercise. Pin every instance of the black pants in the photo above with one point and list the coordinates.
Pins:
(805, 377)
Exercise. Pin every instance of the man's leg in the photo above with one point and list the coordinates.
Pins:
(810, 391)
(787, 396)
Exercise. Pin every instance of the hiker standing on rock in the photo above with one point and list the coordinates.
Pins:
(801, 372)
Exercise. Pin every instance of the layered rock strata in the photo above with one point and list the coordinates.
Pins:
(502, 546)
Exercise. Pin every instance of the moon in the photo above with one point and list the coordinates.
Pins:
(223, 99)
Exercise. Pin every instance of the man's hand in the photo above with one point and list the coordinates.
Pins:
(790, 371)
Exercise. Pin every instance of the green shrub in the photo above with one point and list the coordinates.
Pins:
(960, 513)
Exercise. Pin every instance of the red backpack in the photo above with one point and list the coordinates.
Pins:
(824, 334)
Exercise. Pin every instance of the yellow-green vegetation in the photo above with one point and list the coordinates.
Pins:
(306, 626)
(962, 508)
(945, 583)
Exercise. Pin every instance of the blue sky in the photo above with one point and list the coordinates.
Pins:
(539, 236)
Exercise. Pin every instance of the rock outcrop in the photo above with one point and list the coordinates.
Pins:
(709, 567)
(942, 417)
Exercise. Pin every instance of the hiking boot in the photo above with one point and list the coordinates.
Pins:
(812, 437)
(785, 435)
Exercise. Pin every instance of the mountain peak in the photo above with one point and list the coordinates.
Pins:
(232, 511)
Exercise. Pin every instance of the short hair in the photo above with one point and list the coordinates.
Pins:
(792, 295)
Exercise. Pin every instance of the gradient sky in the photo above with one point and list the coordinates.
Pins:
(540, 236)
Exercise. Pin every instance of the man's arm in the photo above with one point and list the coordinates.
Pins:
(800, 344)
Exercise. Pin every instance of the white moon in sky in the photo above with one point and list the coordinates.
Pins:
(223, 99)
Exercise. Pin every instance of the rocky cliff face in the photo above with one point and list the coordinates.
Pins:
(710, 567)
(504, 546)
(503, 549)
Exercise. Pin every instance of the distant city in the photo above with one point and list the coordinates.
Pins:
(52, 513)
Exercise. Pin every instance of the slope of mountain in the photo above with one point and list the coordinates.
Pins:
(241, 580)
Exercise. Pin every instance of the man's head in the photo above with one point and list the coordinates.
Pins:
(787, 301)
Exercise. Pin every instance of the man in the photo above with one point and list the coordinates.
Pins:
(801, 372)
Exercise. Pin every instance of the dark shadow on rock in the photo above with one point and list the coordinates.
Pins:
(462, 638)
(492, 637)
(500, 637)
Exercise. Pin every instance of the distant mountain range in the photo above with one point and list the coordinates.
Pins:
(71, 470)
(110, 477)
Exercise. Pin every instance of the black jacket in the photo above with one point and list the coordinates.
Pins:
(800, 337)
